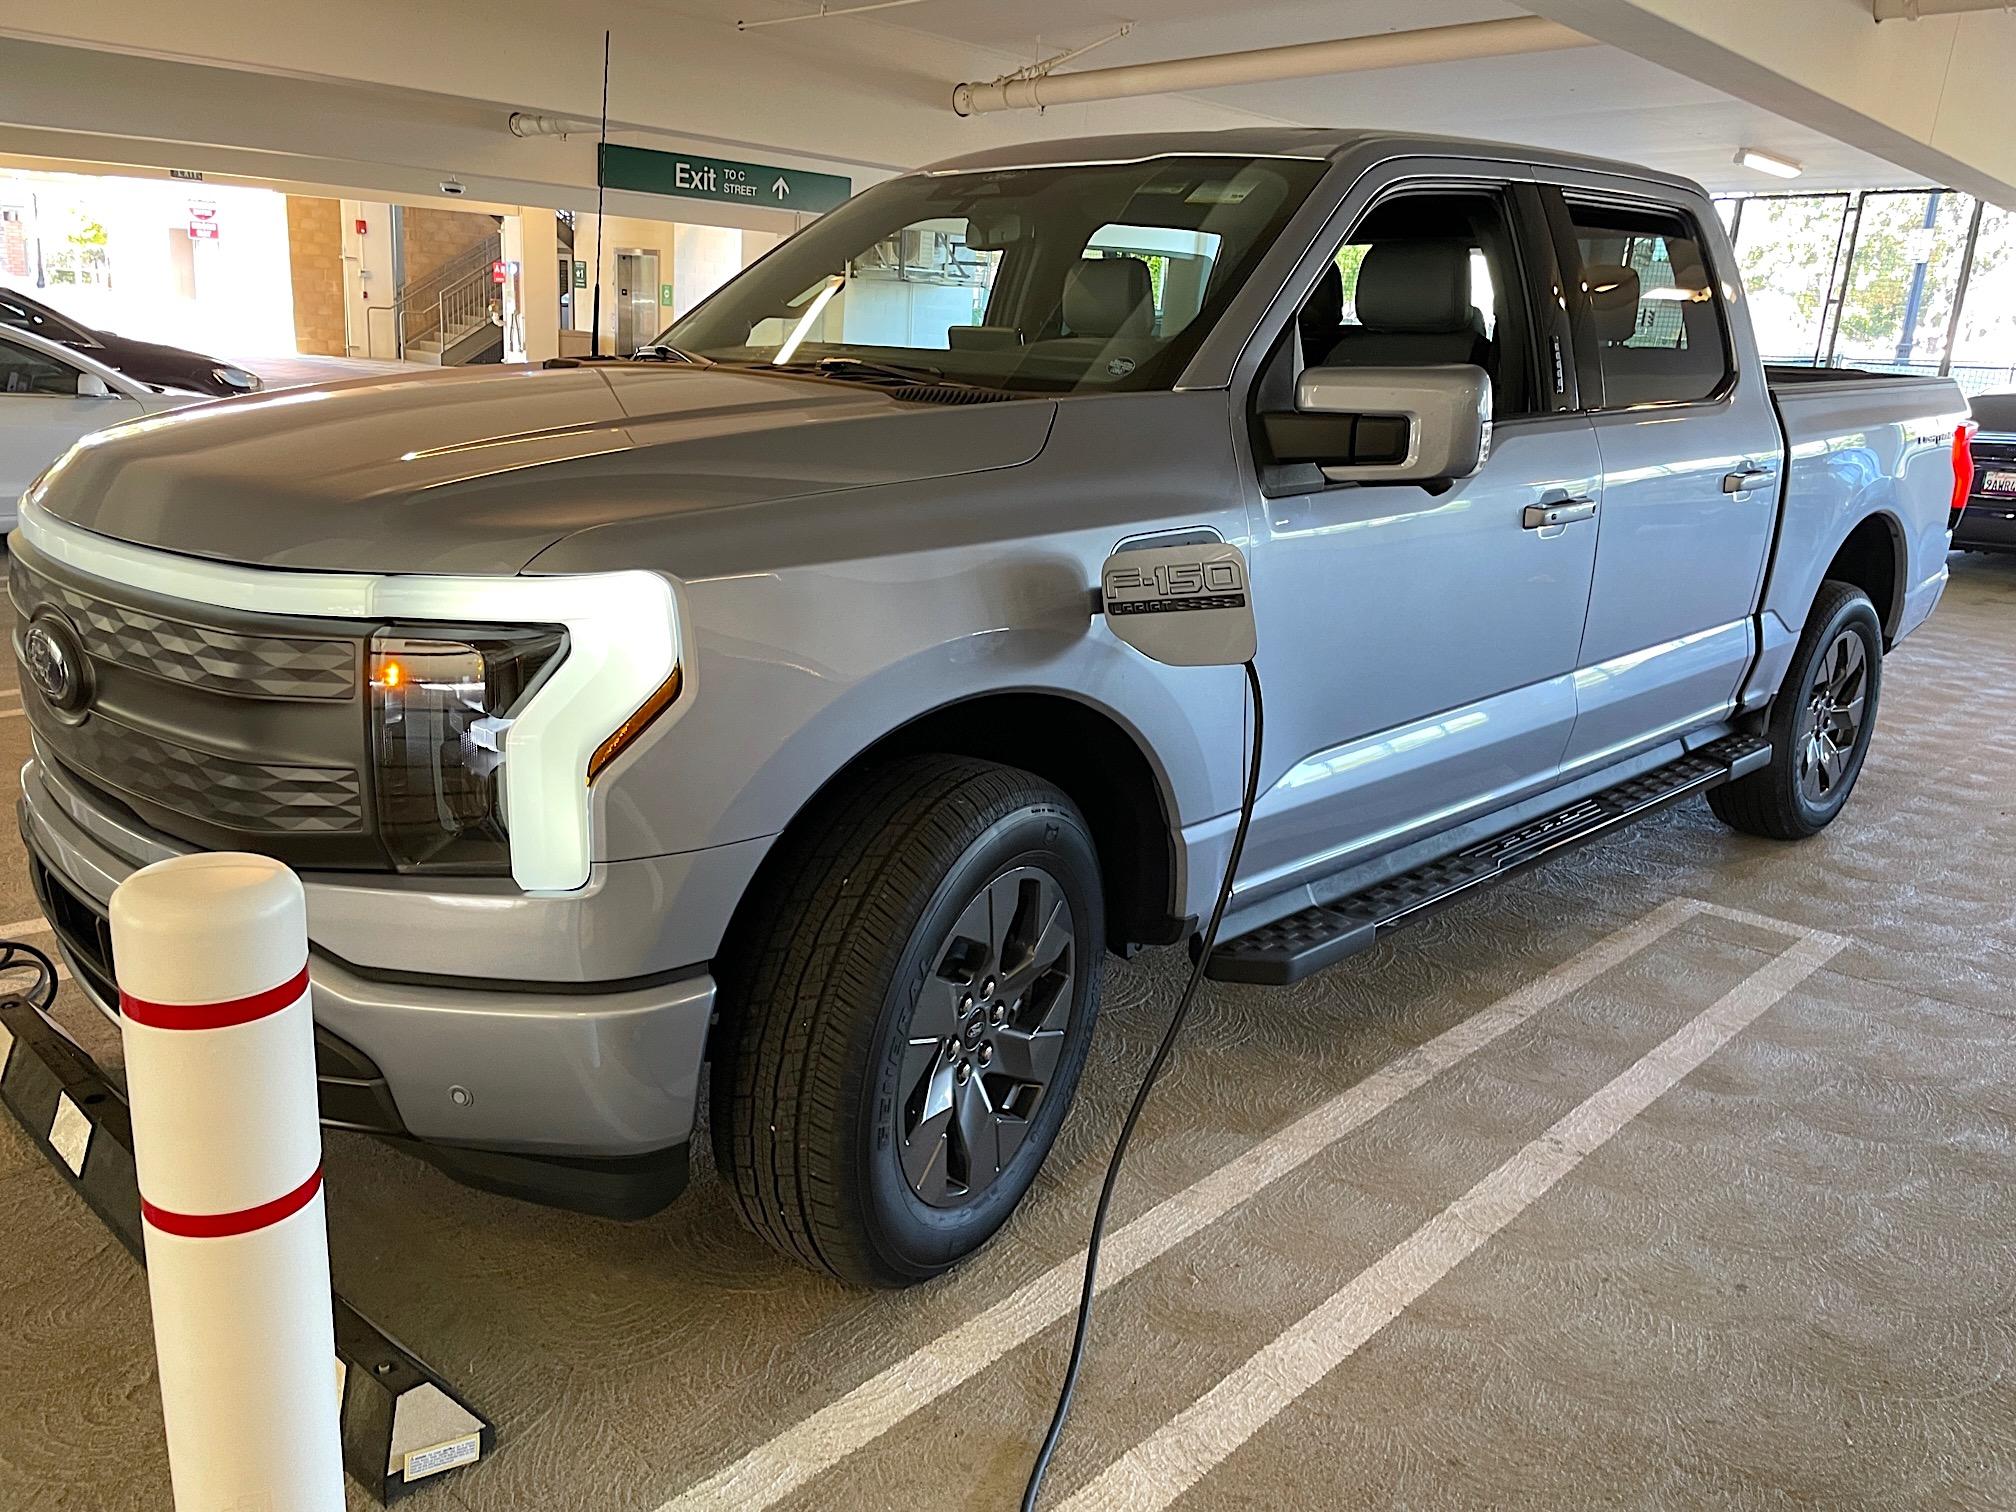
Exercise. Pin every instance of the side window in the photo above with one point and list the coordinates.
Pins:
(26, 372)
(1427, 277)
(1660, 330)
(1483, 298)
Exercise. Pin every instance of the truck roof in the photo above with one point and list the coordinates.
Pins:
(1327, 142)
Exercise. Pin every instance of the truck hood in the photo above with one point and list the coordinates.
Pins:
(479, 470)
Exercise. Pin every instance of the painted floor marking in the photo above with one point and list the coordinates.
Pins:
(1159, 1469)
(774, 1470)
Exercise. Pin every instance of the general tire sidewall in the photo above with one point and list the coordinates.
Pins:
(1858, 613)
(911, 1237)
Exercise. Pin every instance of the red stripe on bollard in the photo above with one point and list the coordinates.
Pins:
(224, 1225)
(214, 1015)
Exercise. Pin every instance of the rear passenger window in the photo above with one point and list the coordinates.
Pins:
(1658, 322)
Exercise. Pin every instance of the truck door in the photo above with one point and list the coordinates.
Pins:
(1690, 451)
(1417, 644)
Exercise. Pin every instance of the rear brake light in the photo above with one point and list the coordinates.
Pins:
(1963, 469)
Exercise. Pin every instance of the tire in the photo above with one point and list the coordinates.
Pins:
(1804, 787)
(850, 1144)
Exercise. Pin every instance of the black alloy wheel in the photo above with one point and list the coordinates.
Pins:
(986, 1036)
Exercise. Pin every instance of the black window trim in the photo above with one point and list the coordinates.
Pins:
(1554, 196)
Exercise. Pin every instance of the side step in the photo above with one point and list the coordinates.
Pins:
(1303, 943)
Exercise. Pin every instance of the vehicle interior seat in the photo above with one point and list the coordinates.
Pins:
(1655, 368)
(1108, 310)
(1413, 302)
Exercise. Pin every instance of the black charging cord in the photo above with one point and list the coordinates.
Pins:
(14, 956)
(1081, 1335)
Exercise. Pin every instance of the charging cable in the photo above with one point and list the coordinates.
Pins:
(14, 956)
(1082, 1333)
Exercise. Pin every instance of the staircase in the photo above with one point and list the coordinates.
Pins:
(444, 318)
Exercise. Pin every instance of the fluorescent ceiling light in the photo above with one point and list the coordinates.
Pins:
(1765, 162)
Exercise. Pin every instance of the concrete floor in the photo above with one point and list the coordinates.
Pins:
(1570, 1199)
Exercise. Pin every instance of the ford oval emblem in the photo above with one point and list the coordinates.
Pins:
(53, 656)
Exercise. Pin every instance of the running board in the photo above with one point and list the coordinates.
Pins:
(1292, 948)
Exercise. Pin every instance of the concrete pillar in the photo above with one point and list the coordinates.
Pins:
(530, 241)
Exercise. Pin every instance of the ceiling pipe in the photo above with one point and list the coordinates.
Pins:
(1914, 10)
(526, 125)
(1301, 60)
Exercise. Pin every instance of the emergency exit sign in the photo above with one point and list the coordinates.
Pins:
(763, 185)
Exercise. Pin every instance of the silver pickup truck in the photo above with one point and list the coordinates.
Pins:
(752, 701)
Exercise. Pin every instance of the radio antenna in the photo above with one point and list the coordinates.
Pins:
(601, 173)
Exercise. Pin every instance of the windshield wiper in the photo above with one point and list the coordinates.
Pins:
(861, 367)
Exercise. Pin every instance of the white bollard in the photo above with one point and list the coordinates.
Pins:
(212, 956)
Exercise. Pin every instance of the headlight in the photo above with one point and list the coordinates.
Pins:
(238, 378)
(441, 713)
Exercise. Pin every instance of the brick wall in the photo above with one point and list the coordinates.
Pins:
(315, 261)
(435, 238)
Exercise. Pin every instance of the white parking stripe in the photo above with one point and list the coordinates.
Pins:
(1172, 1460)
(20, 927)
(773, 1471)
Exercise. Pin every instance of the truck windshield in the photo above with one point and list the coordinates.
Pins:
(1031, 280)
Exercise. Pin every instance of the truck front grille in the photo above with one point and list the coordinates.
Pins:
(219, 728)
(203, 656)
(253, 797)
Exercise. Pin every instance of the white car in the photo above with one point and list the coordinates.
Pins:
(50, 395)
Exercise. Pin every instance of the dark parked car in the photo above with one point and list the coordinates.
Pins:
(142, 361)
(1989, 521)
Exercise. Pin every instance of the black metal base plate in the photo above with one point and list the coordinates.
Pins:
(401, 1422)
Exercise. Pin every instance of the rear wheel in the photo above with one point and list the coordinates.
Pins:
(906, 1018)
(1820, 724)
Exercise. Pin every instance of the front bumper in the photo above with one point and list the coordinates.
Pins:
(561, 1092)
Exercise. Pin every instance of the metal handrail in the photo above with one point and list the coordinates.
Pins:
(419, 306)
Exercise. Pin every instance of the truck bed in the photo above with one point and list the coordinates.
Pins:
(1860, 442)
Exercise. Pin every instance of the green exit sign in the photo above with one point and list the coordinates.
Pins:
(763, 185)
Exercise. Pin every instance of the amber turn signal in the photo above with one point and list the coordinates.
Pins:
(627, 732)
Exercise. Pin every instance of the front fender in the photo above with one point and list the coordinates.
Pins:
(800, 671)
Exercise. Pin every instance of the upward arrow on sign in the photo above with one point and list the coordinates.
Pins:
(780, 188)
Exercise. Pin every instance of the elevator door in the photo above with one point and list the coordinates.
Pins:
(636, 299)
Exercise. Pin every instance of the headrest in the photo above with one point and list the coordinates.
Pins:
(1109, 296)
(1613, 299)
(1415, 285)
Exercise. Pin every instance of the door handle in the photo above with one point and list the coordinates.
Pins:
(1541, 516)
(1745, 479)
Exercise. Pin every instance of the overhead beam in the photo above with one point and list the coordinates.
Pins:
(1917, 10)
(1266, 65)
(1931, 97)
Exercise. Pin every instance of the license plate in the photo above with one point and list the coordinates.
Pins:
(1999, 483)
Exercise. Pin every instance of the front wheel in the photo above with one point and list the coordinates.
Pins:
(1820, 724)
(906, 1017)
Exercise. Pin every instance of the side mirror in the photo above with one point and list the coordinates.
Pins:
(1387, 424)
(91, 386)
